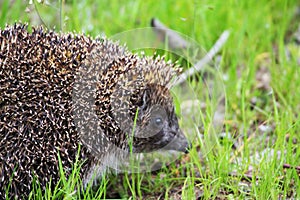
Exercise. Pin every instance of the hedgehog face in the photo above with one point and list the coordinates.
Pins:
(143, 88)
(157, 124)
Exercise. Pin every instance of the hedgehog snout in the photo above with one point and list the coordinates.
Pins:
(178, 141)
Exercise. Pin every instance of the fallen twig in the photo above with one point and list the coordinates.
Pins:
(243, 177)
(288, 166)
(206, 59)
(175, 40)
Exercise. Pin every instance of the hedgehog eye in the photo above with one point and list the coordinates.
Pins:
(158, 121)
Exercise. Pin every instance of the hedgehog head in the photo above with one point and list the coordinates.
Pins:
(131, 101)
(143, 108)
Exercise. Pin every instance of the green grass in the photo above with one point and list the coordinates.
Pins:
(261, 32)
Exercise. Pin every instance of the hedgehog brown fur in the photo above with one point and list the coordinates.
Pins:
(50, 83)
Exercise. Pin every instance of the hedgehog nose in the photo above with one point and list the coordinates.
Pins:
(188, 148)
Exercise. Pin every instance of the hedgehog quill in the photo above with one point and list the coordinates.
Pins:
(60, 92)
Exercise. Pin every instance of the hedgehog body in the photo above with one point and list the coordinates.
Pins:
(62, 92)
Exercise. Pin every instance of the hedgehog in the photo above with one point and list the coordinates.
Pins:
(67, 96)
